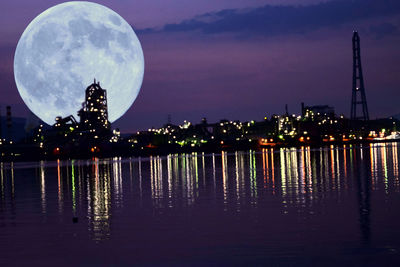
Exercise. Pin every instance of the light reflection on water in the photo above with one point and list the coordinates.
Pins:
(286, 185)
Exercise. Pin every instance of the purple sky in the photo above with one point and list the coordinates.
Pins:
(240, 59)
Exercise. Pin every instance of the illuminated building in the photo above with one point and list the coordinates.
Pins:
(94, 112)
(312, 112)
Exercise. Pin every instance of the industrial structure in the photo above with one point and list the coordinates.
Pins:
(317, 110)
(317, 125)
(91, 134)
(94, 112)
(358, 93)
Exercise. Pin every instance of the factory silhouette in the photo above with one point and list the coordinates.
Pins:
(93, 129)
(317, 125)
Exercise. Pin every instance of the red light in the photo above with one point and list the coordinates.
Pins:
(56, 151)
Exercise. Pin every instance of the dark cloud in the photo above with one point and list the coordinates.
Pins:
(273, 20)
(384, 29)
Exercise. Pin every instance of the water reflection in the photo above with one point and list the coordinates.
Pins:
(363, 183)
(224, 160)
(99, 196)
(2, 180)
(156, 177)
(117, 175)
(42, 186)
(60, 188)
(253, 177)
(299, 178)
(395, 163)
(240, 179)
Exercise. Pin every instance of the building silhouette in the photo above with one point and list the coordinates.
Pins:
(311, 112)
(358, 92)
(94, 112)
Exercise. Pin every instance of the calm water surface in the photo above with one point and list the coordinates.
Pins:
(283, 207)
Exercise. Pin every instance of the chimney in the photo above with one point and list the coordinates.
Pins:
(9, 122)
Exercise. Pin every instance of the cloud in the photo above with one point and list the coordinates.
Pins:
(275, 20)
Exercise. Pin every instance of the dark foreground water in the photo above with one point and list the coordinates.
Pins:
(290, 207)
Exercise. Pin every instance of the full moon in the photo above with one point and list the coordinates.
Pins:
(69, 45)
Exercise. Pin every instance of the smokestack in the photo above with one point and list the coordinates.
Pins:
(8, 121)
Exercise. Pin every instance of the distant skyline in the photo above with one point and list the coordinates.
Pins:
(238, 59)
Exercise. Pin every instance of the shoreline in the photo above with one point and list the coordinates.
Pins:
(29, 153)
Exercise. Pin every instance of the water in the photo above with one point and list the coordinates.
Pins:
(284, 207)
